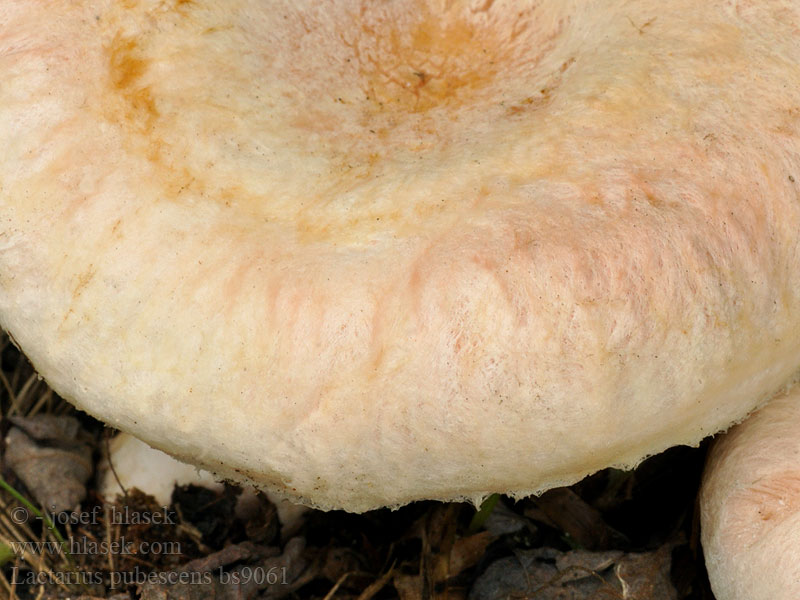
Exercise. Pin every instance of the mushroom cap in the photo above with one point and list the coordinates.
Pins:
(750, 506)
(363, 253)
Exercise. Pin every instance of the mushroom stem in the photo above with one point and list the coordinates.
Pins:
(155, 473)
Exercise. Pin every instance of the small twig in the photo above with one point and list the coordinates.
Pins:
(107, 519)
(106, 438)
(335, 587)
(376, 586)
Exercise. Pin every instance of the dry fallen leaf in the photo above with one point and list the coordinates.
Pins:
(548, 574)
(51, 456)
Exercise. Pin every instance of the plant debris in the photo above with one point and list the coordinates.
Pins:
(547, 574)
(52, 456)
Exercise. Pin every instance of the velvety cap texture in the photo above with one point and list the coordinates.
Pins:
(750, 506)
(368, 252)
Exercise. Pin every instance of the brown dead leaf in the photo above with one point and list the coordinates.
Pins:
(230, 555)
(49, 428)
(437, 543)
(376, 586)
(409, 587)
(582, 522)
(52, 458)
(548, 574)
(646, 576)
(504, 521)
(262, 525)
(580, 563)
(467, 551)
(339, 562)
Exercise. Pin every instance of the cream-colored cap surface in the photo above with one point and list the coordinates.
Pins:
(750, 506)
(364, 253)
